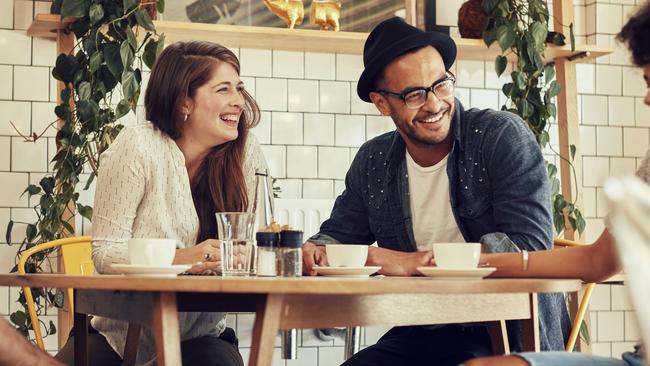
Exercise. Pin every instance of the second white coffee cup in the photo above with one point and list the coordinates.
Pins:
(152, 252)
(346, 255)
(457, 255)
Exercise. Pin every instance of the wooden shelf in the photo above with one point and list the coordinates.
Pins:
(46, 25)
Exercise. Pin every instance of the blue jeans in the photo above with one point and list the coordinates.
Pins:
(578, 359)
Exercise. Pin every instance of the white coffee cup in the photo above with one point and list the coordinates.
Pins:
(152, 252)
(457, 255)
(346, 255)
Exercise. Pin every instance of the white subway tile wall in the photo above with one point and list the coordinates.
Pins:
(312, 124)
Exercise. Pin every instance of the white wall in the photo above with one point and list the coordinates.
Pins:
(313, 124)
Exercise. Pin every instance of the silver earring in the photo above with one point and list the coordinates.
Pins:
(185, 117)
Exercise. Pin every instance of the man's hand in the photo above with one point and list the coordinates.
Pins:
(313, 255)
(396, 263)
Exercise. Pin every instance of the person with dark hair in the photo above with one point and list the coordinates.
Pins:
(166, 178)
(15, 350)
(447, 174)
(591, 263)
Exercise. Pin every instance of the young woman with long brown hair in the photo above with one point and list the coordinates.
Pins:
(166, 178)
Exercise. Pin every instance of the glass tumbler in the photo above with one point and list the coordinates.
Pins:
(238, 250)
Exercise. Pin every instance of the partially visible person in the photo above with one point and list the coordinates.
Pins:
(591, 263)
(166, 178)
(15, 350)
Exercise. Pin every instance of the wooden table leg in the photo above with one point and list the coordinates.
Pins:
(80, 339)
(166, 330)
(499, 337)
(267, 322)
(530, 327)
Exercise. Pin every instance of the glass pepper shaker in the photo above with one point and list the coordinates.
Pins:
(267, 247)
(290, 253)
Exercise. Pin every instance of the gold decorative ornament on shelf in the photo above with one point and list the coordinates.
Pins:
(291, 11)
(326, 14)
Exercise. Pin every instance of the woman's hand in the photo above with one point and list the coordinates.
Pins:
(204, 257)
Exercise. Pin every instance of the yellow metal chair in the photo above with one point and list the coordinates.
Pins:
(77, 261)
(584, 303)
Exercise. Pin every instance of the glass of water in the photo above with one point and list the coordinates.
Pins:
(238, 250)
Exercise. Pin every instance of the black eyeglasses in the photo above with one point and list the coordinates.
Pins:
(415, 98)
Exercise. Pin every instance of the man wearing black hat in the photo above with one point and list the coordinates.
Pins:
(445, 175)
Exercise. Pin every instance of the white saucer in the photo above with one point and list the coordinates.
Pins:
(157, 271)
(346, 271)
(456, 274)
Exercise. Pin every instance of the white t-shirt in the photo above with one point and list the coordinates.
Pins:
(433, 220)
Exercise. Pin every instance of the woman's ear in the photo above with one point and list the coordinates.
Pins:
(380, 102)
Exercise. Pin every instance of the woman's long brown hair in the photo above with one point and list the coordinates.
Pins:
(179, 71)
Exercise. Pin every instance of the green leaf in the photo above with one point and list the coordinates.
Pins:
(56, 7)
(113, 59)
(538, 32)
(551, 110)
(500, 64)
(551, 170)
(128, 5)
(52, 329)
(129, 84)
(572, 37)
(30, 232)
(506, 37)
(74, 8)
(47, 183)
(133, 41)
(489, 5)
(87, 110)
(573, 151)
(65, 68)
(160, 6)
(96, 60)
(89, 181)
(489, 36)
(123, 107)
(85, 211)
(507, 89)
(549, 73)
(149, 55)
(580, 222)
(126, 54)
(584, 332)
(519, 80)
(554, 89)
(84, 91)
(96, 13)
(543, 138)
(32, 190)
(66, 225)
(10, 225)
(18, 318)
(144, 20)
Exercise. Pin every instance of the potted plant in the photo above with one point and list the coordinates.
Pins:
(102, 80)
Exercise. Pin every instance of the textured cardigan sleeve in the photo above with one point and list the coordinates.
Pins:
(120, 188)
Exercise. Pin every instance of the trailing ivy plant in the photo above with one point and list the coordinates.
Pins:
(102, 78)
(521, 28)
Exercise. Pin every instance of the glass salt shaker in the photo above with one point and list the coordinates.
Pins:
(267, 247)
(290, 253)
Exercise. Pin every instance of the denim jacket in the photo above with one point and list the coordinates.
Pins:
(498, 189)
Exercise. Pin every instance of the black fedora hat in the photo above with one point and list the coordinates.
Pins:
(393, 38)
